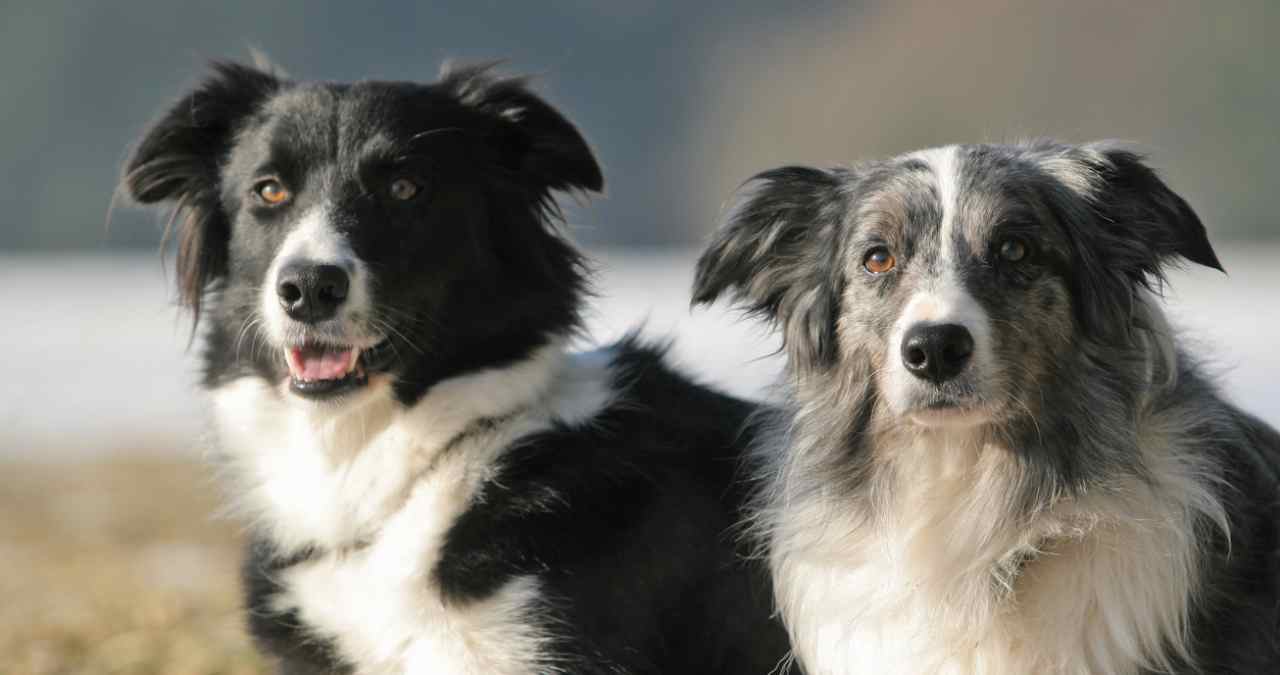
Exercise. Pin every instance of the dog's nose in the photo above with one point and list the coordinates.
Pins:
(311, 292)
(936, 351)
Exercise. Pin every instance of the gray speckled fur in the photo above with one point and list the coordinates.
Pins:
(1081, 349)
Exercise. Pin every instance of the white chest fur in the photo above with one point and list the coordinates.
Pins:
(951, 582)
(377, 487)
(380, 606)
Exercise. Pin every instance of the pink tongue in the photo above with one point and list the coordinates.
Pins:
(313, 364)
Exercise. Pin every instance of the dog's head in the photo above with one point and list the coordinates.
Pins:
(338, 232)
(963, 285)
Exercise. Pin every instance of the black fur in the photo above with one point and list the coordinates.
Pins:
(282, 634)
(1236, 621)
(624, 518)
(631, 531)
(1131, 229)
(480, 246)
(180, 161)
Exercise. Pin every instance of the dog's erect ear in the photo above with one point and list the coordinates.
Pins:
(180, 154)
(1135, 225)
(1136, 202)
(179, 161)
(775, 249)
(545, 145)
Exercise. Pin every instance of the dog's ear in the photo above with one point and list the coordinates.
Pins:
(775, 249)
(1144, 211)
(178, 161)
(1136, 226)
(544, 145)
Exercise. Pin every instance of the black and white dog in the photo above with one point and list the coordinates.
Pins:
(435, 485)
(995, 458)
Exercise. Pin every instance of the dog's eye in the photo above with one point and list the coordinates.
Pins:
(402, 189)
(1013, 250)
(271, 192)
(879, 260)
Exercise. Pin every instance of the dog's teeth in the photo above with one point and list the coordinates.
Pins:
(355, 359)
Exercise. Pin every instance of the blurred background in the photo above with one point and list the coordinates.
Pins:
(109, 535)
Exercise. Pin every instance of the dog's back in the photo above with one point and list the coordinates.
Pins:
(1236, 626)
(638, 535)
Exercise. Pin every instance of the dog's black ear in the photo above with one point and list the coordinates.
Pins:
(545, 145)
(179, 161)
(1143, 210)
(1131, 226)
(775, 249)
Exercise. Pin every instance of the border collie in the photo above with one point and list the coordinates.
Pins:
(995, 458)
(434, 483)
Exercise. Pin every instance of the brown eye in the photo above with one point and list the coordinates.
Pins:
(402, 189)
(879, 260)
(272, 192)
(1013, 249)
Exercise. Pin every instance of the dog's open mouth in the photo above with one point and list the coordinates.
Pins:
(320, 371)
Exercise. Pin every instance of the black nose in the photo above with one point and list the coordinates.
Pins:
(311, 293)
(936, 351)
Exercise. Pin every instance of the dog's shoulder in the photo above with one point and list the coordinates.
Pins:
(645, 490)
(580, 488)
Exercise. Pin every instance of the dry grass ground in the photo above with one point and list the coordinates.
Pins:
(118, 566)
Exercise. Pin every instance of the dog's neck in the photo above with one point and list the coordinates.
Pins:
(310, 475)
(936, 561)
